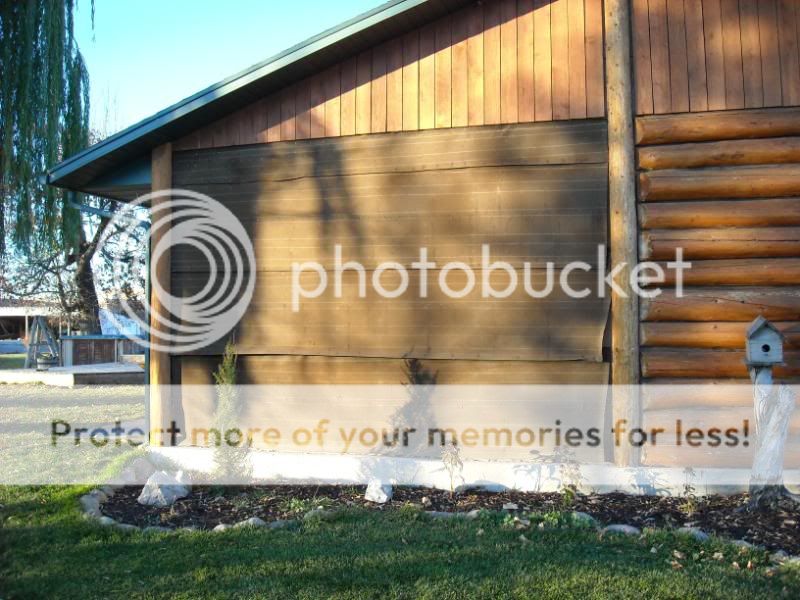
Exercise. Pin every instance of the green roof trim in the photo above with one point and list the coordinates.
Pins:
(134, 143)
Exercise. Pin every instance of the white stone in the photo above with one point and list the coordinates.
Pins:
(126, 527)
(106, 521)
(583, 519)
(742, 544)
(221, 527)
(474, 514)
(378, 492)
(251, 522)
(319, 513)
(162, 489)
(623, 529)
(510, 506)
(697, 534)
(90, 506)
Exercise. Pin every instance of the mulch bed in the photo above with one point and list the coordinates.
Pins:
(775, 529)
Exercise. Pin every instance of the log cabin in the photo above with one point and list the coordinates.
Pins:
(545, 127)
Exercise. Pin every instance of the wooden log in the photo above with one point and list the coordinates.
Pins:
(724, 304)
(661, 244)
(770, 181)
(705, 418)
(720, 154)
(670, 394)
(720, 213)
(745, 271)
(159, 362)
(714, 364)
(623, 223)
(715, 126)
(716, 334)
(720, 458)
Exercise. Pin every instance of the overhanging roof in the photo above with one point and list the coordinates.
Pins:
(95, 169)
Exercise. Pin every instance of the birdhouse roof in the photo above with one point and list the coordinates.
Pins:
(761, 323)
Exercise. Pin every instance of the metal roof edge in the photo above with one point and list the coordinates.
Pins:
(234, 82)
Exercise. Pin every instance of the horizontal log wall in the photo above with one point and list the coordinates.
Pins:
(498, 61)
(729, 196)
(709, 55)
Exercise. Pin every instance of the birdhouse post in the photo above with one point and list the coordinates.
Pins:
(763, 351)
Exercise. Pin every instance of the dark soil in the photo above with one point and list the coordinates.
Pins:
(775, 529)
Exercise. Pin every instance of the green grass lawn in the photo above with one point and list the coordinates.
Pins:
(12, 361)
(48, 550)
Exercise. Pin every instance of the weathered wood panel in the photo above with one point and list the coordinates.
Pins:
(499, 61)
(699, 55)
(582, 142)
(535, 193)
(310, 370)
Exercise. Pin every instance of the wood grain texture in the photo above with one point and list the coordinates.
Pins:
(719, 154)
(712, 334)
(542, 61)
(577, 59)
(394, 85)
(475, 91)
(559, 36)
(525, 93)
(509, 109)
(696, 56)
(729, 125)
(770, 52)
(460, 75)
(381, 198)
(160, 360)
(777, 212)
(443, 65)
(724, 304)
(709, 55)
(493, 62)
(768, 181)
(625, 359)
(691, 363)
(299, 370)
(678, 59)
(766, 242)
(427, 77)
(595, 78)
(492, 83)
(411, 81)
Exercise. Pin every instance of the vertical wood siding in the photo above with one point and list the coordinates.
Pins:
(501, 61)
(700, 55)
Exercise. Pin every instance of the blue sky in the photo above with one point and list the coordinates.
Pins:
(144, 55)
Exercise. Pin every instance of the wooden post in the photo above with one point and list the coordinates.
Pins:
(623, 223)
(161, 166)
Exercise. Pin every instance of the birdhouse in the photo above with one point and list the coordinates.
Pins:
(764, 344)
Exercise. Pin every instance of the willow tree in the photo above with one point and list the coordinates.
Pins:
(44, 116)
